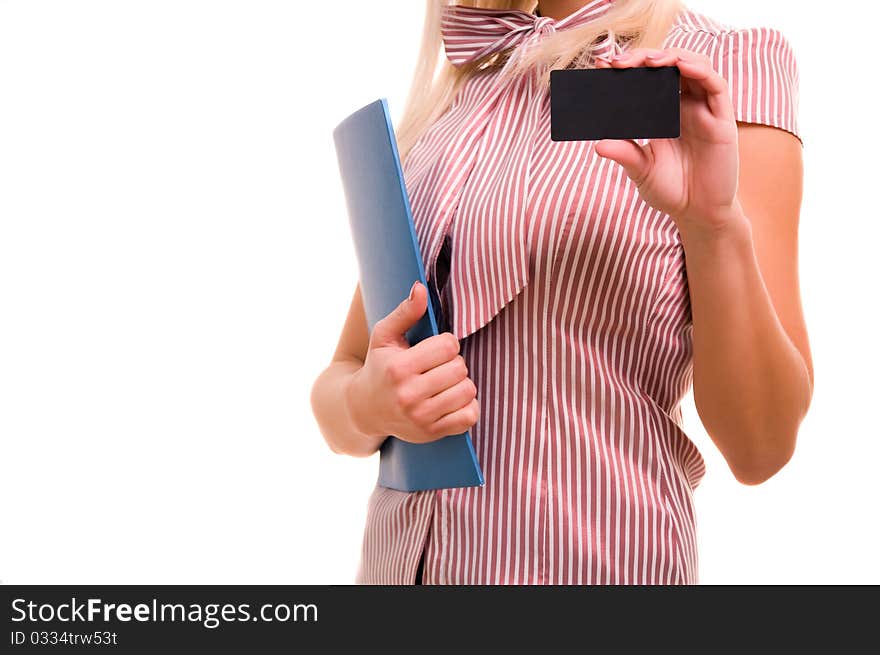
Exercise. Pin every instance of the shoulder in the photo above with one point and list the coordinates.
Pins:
(759, 64)
(722, 42)
(709, 35)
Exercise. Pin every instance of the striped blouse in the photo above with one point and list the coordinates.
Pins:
(569, 296)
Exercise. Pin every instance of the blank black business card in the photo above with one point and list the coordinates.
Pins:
(588, 104)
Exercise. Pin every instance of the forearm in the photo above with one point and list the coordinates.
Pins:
(751, 383)
(332, 412)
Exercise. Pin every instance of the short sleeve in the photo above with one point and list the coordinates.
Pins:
(761, 71)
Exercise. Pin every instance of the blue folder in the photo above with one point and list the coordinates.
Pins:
(389, 261)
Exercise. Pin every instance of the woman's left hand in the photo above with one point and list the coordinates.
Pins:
(692, 178)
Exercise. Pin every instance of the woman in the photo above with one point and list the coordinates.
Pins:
(587, 284)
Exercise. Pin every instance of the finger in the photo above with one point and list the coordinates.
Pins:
(448, 400)
(700, 72)
(634, 57)
(431, 352)
(635, 159)
(458, 421)
(441, 377)
(392, 328)
(663, 58)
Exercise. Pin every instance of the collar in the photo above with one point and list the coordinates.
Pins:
(470, 33)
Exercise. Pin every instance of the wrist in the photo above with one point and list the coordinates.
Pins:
(729, 226)
(352, 408)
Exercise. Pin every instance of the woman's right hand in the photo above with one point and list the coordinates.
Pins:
(417, 393)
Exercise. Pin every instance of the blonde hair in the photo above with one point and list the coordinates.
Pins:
(641, 23)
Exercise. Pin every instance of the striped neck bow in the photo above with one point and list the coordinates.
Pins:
(470, 33)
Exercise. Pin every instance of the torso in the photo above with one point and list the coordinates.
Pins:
(569, 296)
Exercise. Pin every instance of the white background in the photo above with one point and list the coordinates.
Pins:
(176, 265)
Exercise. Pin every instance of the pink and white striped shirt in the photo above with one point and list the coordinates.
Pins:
(569, 296)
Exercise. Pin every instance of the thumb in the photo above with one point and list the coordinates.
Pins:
(635, 159)
(391, 329)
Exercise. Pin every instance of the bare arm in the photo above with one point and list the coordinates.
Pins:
(327, 396)
(734, 191)
(752, 364)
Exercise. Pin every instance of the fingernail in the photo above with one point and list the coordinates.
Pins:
(652, 56)
(412, 291)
